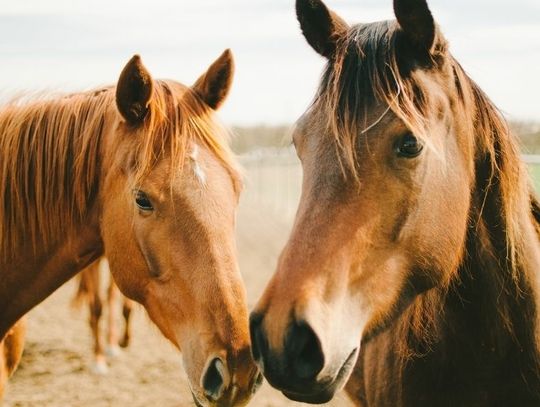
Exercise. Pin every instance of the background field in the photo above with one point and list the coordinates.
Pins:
(535, 173)
(54, 370)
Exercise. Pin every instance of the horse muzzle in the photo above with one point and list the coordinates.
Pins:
(299, 370)
(220, 389)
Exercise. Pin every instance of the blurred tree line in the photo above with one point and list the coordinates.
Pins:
(529, 135)
(246, 139)
(252, 138)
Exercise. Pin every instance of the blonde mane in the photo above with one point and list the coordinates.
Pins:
(51, 156)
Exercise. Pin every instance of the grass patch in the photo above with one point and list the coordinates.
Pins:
(535, 173)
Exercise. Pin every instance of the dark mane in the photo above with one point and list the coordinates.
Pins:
(371, 67)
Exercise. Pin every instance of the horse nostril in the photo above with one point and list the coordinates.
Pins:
(305, 351)
(213, 381)
(257, 339)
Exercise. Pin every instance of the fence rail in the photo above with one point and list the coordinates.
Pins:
(531, 158)
(533, 162)
(274, 179)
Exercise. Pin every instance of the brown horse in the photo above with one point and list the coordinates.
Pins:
(11, 349)
(89, 291)
(142, 173)
(415, 252)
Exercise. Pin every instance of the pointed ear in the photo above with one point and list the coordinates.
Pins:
(321, 27)
(416, 22)
(214, 85)
(134, 91)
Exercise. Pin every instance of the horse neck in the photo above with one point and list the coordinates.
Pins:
(492, 301)
(496, 295)
(496, 289)
(489, 313)
(499, 283)
(55, 231)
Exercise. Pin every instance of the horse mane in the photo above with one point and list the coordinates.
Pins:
(367, 70)
(49, 165)
(51, 155)
(176, 117)
(372, 68)
(494, 272)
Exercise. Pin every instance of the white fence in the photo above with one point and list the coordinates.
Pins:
(534, 166)
(531, 159)
(274, 179)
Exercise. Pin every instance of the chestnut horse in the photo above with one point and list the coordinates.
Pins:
(89, 292)
(142, 173)
(414, 259)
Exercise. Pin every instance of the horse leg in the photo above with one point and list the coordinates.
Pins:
(113, 294)
(11, 349)
(127, 307)
(14, 346)
(3, 369)
(96, 310)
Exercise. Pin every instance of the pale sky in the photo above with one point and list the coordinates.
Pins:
(74, 45)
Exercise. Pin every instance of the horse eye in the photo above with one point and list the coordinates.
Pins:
(142, 201)
(409, 146)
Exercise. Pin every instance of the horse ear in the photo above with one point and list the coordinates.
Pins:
(417, 23)
(321, 27)
(214, 85)
(134, 91)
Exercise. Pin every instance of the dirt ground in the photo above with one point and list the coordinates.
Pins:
(55, 366)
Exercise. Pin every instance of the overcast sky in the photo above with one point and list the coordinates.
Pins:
(74, 44)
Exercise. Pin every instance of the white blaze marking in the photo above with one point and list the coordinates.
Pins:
(199, 172)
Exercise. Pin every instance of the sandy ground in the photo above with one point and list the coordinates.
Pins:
(55, 366)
